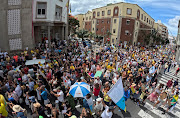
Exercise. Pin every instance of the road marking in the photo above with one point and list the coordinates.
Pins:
(143, 114)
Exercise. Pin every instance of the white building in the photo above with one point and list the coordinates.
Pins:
(50, 19)
(172, 40)
(178, 44)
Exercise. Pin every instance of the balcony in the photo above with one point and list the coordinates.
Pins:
(58, 18)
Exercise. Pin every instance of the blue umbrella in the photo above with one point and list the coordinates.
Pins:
(79, 89)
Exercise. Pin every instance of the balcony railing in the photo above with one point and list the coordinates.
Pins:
(57, 18)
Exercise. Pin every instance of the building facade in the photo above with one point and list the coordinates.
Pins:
(161, 29)
(24, 23)
(50, 20)
(80, 18)
(126, 22)
(178, 44)
(16, 25)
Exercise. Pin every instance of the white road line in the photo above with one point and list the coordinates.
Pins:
(143, 114)
(155, 111)
(159, 112)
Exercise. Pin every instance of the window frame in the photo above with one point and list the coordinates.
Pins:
(103, 13)
(109, 12)
(127, 11)
(41, 16)
(98, 14)
(127, 22)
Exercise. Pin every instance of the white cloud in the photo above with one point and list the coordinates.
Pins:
(82, 6)
(173, 25)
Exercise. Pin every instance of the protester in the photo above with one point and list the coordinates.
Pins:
(38, 87)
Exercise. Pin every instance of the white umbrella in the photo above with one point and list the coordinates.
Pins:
(79, 89)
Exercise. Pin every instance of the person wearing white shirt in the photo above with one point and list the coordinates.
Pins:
(59, 95)
(98, 107)
(18, 90)
(108, 112)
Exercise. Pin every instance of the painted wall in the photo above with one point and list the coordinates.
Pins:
(80, 18)
(51, 6)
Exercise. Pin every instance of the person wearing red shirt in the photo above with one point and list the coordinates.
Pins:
(15, 58)
(48, 75)
(169, 83)
(96, 90)
(26, 69)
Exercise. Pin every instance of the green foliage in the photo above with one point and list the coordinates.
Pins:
(82, 34)
(73, 24)
(91, 35)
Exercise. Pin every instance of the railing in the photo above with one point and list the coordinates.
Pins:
(58, 18)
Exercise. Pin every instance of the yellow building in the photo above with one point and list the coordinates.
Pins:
(126, 22)
(161, 29)
(80, 18)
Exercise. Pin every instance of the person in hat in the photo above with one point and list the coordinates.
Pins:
(108, 112)
(59, 95)
(98, 108)
(18, 110)
(173, 102)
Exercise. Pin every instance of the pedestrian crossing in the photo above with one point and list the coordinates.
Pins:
(168, 76)
(149, 112)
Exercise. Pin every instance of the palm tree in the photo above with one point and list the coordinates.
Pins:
(91, 35)
(82, 34)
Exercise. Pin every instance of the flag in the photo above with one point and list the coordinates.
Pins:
(67, 4)
(70, 8)
(116, 93)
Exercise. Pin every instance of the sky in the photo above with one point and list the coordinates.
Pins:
(168, 11)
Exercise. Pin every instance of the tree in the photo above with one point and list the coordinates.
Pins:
(82, 34)
(91, 35)
(73, 24)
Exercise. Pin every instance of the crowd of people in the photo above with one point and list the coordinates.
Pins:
(43, 89)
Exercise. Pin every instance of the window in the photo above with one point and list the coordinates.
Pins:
(41, 10)
(112, 40)
(89, 17)
(93, 29)
(97, 29)
(103, 12)
(114, 30)
(129, 11)
(136, 34)
(116, 11)
(94, 14)
(137, 23)
(109, 12)
(86, 23)
(107, 21)
(114, 20)
(127, 22)
(147, 20)
(138, 14)
(97, 22)
(102, 29)
(141, 16)
(102, 21)
(144, 18)
(83, 18)
(58, 13)
(126, 32)
(86, 18)
(98, 13)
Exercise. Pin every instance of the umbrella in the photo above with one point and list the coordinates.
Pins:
(79, 89)
(98, 74)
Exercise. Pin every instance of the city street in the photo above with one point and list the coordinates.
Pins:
(89, 59)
